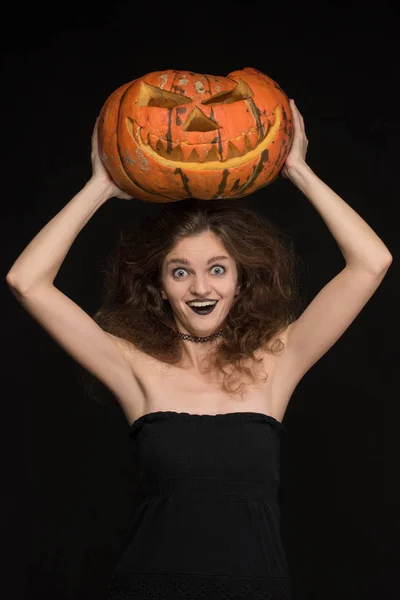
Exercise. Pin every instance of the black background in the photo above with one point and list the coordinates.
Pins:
(69, 466)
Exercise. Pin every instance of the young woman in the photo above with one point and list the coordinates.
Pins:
(199, 341)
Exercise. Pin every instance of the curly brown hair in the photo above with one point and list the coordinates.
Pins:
(268, 301)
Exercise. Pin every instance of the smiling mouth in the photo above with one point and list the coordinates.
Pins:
(230, 156)
(206, 310)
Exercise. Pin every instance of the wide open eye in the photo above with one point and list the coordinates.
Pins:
(153, 96)
(240, 92)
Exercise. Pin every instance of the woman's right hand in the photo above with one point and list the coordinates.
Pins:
(100, 173)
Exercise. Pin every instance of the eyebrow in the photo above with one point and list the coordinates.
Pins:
(185, 261)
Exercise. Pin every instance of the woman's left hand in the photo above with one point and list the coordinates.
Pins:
(298, 150)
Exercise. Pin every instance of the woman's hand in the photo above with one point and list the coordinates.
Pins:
(100, 173)
(298, 150)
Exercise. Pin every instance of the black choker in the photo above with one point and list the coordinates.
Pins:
(195, 338)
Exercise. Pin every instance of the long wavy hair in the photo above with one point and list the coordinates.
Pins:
(269, 300)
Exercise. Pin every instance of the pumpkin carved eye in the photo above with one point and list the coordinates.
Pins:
(149, 95)
(240, 92)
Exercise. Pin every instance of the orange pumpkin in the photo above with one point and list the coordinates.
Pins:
(171, 135)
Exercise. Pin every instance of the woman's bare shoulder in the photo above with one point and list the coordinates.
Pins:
(130, 350)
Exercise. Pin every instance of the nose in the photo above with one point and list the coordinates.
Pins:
(198, 121)
(200, 286)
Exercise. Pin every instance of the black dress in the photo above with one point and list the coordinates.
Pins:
(207, 521)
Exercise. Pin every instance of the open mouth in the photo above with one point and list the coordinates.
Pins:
(230, 157)
(203, 310)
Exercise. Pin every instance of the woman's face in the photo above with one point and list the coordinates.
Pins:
(199, 268)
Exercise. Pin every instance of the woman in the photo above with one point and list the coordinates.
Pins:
(204, 392)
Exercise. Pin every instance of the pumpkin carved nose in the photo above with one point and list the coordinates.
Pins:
(198, 121)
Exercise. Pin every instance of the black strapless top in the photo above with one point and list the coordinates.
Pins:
(207, 521)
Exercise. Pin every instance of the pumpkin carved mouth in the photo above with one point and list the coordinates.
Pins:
(230, 153)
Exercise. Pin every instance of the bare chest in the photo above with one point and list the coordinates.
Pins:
(160, 387)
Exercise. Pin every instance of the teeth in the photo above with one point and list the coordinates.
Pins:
(238, 146)
(213, 155)
(209, 303)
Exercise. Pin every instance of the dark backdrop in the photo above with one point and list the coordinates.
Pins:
(69, 466)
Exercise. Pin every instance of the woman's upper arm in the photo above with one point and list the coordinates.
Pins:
(79, 335)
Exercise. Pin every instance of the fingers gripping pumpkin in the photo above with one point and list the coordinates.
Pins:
(172, 135)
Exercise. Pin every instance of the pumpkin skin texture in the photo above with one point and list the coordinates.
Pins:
(172, 135)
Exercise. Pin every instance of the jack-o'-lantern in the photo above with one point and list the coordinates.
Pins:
(171, 135)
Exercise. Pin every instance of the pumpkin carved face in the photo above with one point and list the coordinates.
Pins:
(172, 135)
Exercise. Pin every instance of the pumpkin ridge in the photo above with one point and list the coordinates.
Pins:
(256, 172)
(121, 160)
(185, 180)
(256, 114)
(222, 184)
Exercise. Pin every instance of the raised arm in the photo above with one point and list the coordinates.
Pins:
(32, 275)
(41, 260)
(335, 307)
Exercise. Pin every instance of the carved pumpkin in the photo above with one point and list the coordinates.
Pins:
(172, 135)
